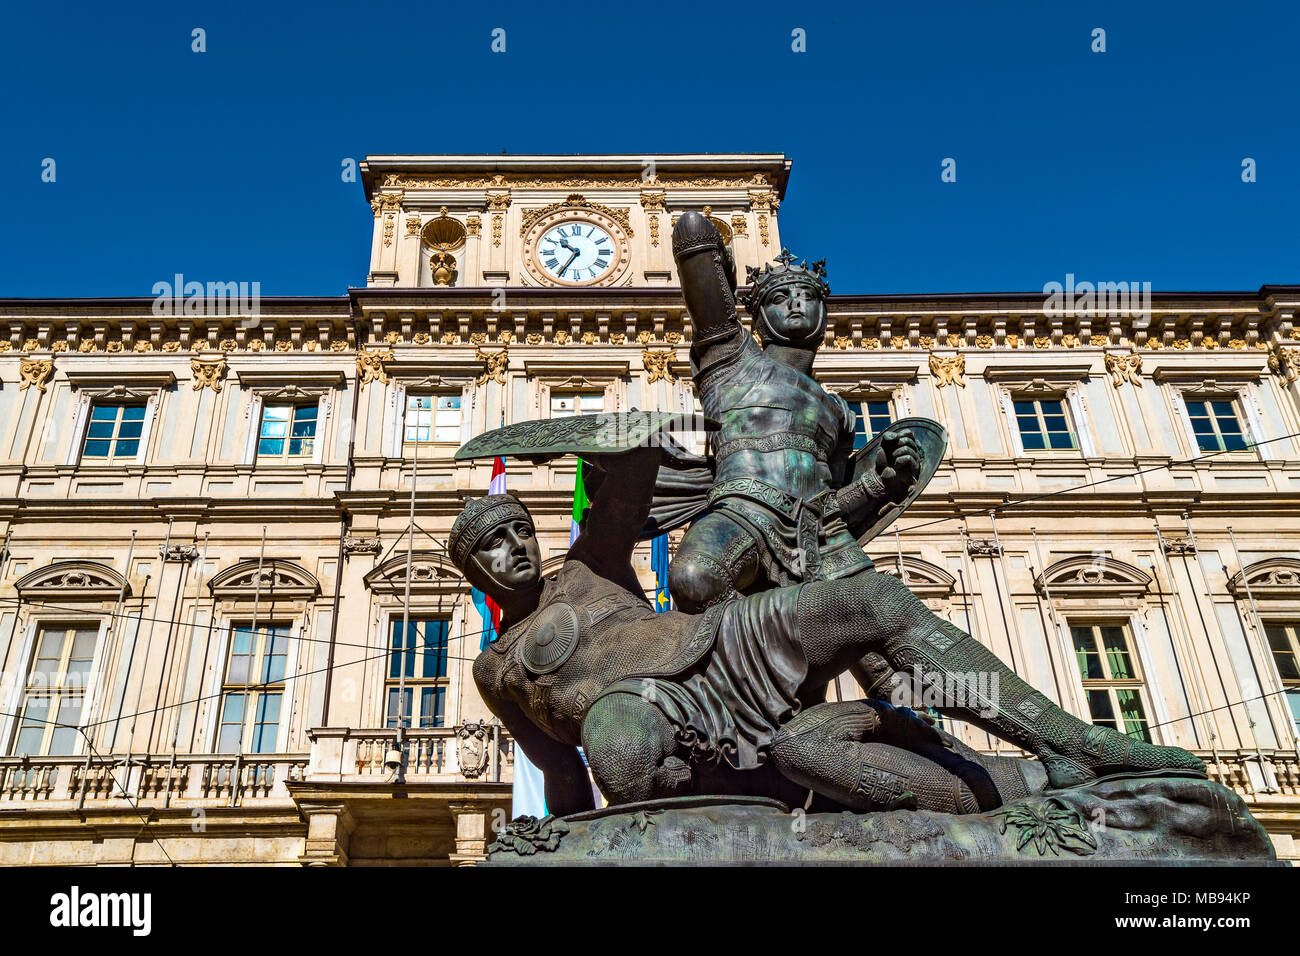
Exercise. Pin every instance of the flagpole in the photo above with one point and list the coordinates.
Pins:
(406, 592)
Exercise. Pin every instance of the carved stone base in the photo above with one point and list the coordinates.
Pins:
(1135, 820)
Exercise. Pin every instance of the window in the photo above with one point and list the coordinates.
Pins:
(1284, 639)
(870, 419)
(425, 657)
(288, 431)
(1043, 424)
(254, 689)
(1111, 681)
(113, 434)
(56, 690)
(1215, 424)
(586, 403)
(432, 418)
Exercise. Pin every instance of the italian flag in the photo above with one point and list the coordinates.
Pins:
(487, 608)
(580, 503)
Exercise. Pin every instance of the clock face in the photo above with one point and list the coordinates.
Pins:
(577, 251)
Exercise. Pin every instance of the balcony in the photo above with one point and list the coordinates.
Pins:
(432, 805)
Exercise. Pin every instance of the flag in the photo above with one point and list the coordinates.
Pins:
(580, 503)
(663, 601)
(487, 608)
(528, 795)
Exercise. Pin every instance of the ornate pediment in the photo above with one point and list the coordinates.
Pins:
(293, 393)
(924, 579)
(279, 580)
(1272, 578)
(1085, 575)
(72, 581)
(430, 572)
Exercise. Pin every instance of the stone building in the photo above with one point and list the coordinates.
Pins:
(206, 533)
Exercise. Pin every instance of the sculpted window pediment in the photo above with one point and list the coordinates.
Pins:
(1038, 380)
(110, 380)
(293, 393)
(320, 380)
(850, 381)
(924, 579)
(1272, 578)
(430, 572)
(72, 581)
(1088, 575)
(278, 579)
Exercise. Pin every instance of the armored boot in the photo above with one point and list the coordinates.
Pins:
(978, 688)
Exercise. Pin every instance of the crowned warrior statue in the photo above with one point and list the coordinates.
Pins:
(725, 696)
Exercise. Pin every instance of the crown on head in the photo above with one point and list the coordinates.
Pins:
(762, 282)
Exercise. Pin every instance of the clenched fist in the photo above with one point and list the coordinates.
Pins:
(897, 462)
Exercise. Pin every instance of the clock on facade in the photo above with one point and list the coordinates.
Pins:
(576, 251)
(576, 247)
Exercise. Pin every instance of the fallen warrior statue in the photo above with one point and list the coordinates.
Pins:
(729, 701)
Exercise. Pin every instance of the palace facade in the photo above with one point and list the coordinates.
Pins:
(206, 516)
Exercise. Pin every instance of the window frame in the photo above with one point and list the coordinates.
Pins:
(1290, 627)
(288, 395)
(1185, 385)
(1037, 399)
(578, 394)
(11, 722)
(1110, 684)
(115, 438)
(1235, 406)
(408, 446)
(285, 456)
(855, 403)
(256, 690)
(88, 399)
(437, 683)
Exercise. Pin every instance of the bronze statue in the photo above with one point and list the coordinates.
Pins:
(784, 498)
(728, 701)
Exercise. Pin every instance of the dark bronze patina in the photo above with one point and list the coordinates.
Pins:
(727, 699)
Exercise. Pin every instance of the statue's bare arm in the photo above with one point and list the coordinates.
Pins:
(568, 789)
(617, 514)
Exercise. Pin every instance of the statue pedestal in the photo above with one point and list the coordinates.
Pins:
(1134, 820)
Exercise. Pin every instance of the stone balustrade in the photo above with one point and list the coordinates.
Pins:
(471, 753)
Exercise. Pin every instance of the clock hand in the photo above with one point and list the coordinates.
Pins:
(570, 262)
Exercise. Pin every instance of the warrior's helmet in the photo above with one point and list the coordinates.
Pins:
(478, 518)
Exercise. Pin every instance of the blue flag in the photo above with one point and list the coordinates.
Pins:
(663, 601)
(489, 632)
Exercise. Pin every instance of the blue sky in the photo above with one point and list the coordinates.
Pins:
(1123, 165)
